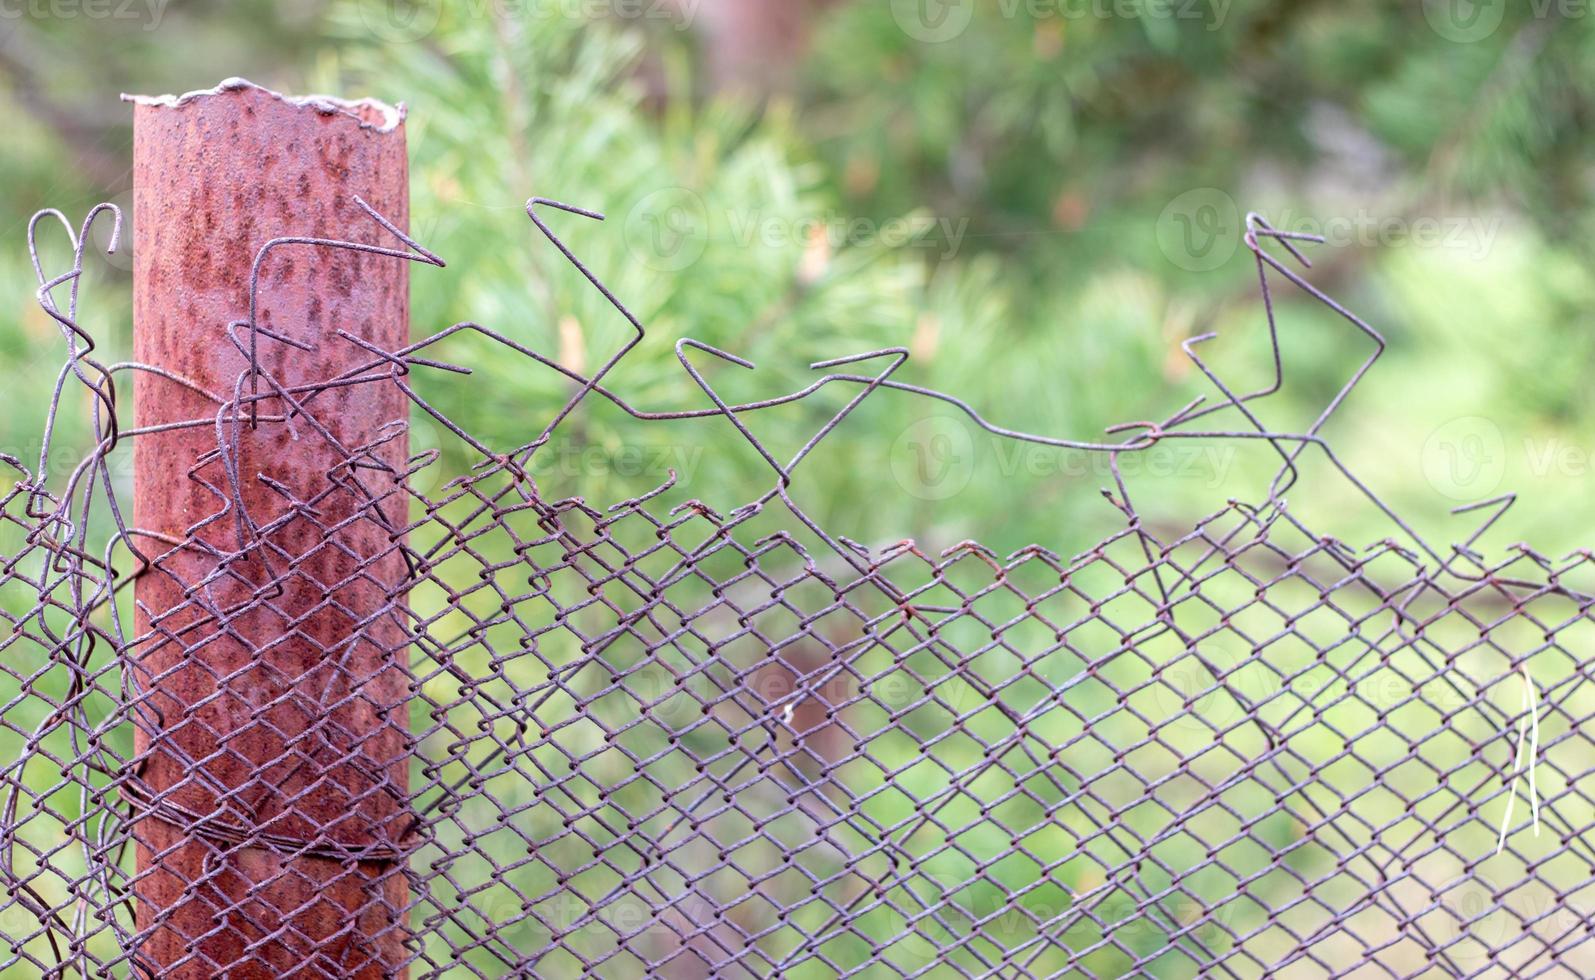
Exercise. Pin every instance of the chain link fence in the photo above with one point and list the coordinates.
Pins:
(442, 725)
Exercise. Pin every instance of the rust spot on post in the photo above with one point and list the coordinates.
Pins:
(272, 675)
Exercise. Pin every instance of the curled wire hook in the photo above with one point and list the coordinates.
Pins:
(413, 251)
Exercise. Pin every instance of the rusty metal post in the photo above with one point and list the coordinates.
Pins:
(270, 779)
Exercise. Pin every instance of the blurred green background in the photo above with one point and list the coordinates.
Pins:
(1041, 200)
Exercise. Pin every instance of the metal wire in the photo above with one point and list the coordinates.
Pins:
(668, 741)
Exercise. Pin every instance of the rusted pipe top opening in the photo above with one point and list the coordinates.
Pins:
(371, 113)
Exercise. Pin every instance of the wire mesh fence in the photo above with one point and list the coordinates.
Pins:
(489, 733)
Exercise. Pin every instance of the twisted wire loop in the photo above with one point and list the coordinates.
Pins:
(664, 740)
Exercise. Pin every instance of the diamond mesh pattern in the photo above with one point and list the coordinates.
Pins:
(666, 741)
